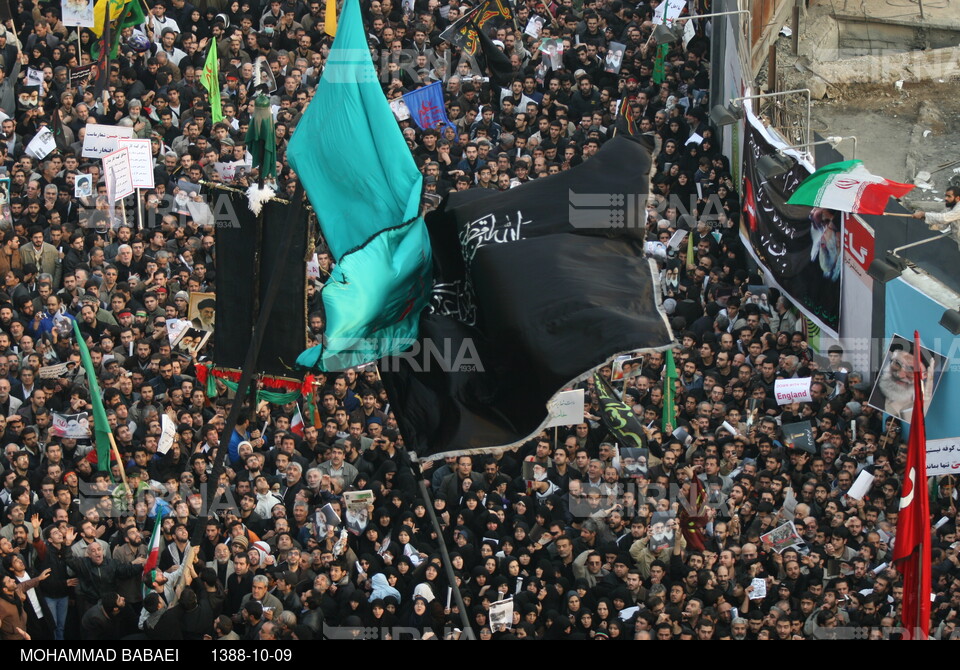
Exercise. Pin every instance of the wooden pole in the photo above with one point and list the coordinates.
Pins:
(123, 471)
(772, 68)
(795, 37)
(123, 210)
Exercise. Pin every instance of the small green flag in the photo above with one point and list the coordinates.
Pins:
(659, 72)
(669, 395)
(211, 81)
(101, 427)
(133, 16)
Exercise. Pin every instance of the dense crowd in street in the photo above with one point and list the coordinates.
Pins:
(601, 541)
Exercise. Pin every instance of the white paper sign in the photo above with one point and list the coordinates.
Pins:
(566, 408)
(100, 140)
(534, 26)
(759, 589)
(54, 371)
(696, 138)
(34, 77)
(141, 161)
(689, 32)
(313, 267)
(501, 613)
(227, 171)
(861, 486)
(792, 390)
(42, 144)
(943, 456)
(201, 213)
(175, 327)
(672, 9)
(116, 171)
(168, 430)
(400, 111)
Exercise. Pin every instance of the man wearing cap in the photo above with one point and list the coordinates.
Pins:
(181, 301)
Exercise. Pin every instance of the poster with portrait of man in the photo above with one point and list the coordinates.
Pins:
(614, 57)
(358, 504)
(190, 341)
(627, 367)
(552, 50)
(77, 13)
(83, 186)
(73, 426)
(760, 296)
(893, 388)
(662, 531)
(634, 462)
(6, 216)
(202, 310)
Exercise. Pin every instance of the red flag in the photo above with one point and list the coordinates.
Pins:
(296, 423)
(911, 552)
(692, 518)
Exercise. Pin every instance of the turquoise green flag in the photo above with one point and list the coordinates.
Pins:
(101, 427)
(365, 188)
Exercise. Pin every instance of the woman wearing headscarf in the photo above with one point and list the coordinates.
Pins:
(418, 618)
(382, 589)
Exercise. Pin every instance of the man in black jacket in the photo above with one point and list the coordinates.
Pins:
(111, 619)
(99, 574)
(53, 554)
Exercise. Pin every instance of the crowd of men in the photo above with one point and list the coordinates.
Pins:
(590, 543)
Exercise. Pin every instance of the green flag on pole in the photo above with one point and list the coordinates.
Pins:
(669, 395)
(659, 71)
(101, 427)
(211, 81)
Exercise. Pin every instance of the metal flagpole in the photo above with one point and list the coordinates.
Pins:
(444, 554)
(918, 623)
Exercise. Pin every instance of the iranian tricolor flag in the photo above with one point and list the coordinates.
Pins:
(296, 423)
(848, 187)
(153, 555)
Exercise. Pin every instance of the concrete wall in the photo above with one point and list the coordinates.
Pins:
(864, 36)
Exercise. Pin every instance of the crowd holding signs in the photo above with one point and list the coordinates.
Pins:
(721, 480)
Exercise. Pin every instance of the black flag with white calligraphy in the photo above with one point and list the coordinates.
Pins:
(534, 289)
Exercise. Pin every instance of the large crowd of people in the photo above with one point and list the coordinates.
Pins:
(591, 542)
